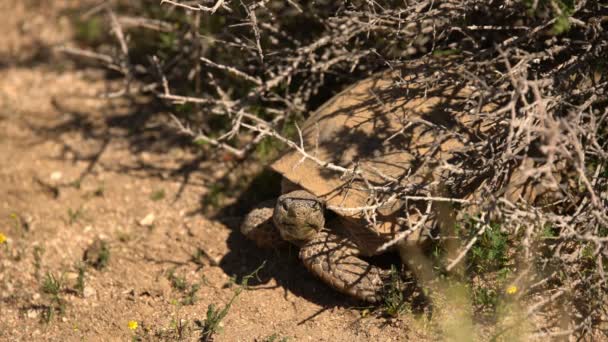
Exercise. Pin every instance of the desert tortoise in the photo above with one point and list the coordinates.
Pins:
(396, 130)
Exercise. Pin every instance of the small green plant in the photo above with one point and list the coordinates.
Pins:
(179, 330)
(52, 286)
(245, 280)
(19, 223)
(244, 283)
(98, 255)
(157, 195)
(90, 31)
(177, 282)
(76, 184)
(48, 312)
(197, 257)
(38, 252)
(549, 232)
(268, 148)
(104, 257)
(79, 287)
(561, 10)
(588, 251)
(215, 196)
(74, 215)
(562, 21)
(394, 301)
(204, 280)
(190, 297)
(486, 297)
(489, 253)
(211, 325)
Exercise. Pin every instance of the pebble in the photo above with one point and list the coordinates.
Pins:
(89, 292)
(148, 220)
(56, 175)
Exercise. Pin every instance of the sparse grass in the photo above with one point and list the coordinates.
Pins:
(179, 283)
(90, 31)
(52, 286)
(76, 184)
(19, 223)
(74, 215)
(394, 300)
(212, 323)
(104, 257)
(178, 330)
(197, 257)
(98, 255)
(245, 280)
(190, 296)
(204, 280)
(215, 195)
(489, 253)
(38, 252)
(157, 195)
(80, 280)
(486, 297)
(268, 149)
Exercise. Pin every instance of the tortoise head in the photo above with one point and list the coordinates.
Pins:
(299, 216)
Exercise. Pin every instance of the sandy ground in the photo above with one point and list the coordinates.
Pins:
(75, 169)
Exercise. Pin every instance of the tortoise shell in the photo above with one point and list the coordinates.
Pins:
(399, 129)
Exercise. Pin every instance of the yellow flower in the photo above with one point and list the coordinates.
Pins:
(2, 238)
(132, 325)
(512, 290)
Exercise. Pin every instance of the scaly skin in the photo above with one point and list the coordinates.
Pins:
(334, 260)
(258, 226)
(298, 217)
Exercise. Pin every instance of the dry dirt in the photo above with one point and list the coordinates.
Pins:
(75, 168)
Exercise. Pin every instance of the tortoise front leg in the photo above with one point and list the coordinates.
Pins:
(258, 226)
(334, 260)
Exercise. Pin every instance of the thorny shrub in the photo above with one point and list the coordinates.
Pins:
(237, 76)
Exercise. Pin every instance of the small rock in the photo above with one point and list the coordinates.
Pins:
(36, 296)
(89, 292)
(32, 314)
(148, 220)
(55, 176)
(71, 276)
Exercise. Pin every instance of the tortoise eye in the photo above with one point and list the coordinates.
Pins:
(285, 205)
